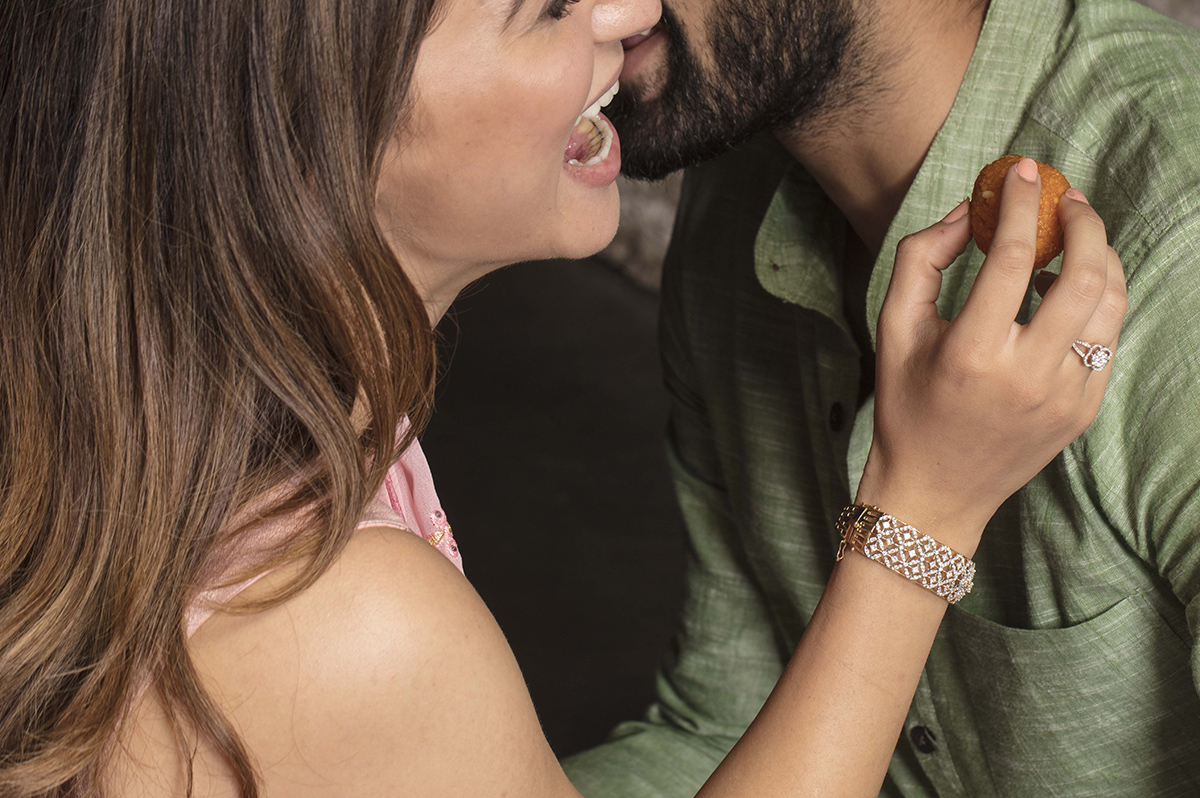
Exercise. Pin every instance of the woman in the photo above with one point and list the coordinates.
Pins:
(228, 228)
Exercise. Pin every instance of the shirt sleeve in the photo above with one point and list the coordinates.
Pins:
(1144, 455)
(726, 656)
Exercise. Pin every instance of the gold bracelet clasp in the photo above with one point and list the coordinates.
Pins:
(855, 524)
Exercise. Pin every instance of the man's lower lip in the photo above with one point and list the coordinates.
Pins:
(646, 49)
(634, 41)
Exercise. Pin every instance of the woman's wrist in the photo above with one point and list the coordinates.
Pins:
(904, 549)
(949, 522)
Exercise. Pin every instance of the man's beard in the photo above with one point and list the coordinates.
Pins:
(778, 64)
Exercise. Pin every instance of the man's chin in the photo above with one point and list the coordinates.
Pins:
(650, 165)
(651, 153)
(650, 174)
(648, 149)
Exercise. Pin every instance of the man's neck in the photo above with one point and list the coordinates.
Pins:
(866, 153)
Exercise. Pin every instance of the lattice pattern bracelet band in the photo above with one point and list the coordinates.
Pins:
(901, 548)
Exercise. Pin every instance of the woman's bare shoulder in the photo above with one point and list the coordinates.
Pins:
(388, 598)
(387, 676)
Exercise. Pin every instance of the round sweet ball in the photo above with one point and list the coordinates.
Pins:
(985, 208)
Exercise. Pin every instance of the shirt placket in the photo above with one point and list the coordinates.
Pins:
(930, 742)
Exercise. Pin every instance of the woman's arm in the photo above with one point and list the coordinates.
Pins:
(966, 413)
(398, 682)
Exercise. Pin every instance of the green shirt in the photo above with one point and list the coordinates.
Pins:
(1072, 668)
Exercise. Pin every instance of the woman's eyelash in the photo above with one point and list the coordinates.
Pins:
(560, 9)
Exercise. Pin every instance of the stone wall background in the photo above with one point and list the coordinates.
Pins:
(648, 209)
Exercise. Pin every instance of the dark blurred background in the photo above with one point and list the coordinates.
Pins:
(547, 451)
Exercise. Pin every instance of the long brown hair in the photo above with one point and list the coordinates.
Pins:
(194, 296)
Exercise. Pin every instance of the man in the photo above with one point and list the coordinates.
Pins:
(1072, 668)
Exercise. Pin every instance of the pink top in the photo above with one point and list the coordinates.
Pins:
(406, 500)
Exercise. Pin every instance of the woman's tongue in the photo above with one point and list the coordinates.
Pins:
(587, 141)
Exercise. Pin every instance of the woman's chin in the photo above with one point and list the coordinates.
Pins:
(587, 237)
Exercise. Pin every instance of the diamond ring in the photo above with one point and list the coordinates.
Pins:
(1094, 356)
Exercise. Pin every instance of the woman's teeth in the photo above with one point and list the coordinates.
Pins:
(593, 138)
(593, 111)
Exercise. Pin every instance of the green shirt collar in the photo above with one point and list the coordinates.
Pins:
(798, 246)
(799, 241)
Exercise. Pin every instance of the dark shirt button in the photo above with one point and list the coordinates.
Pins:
(923, 739)
(837, 417)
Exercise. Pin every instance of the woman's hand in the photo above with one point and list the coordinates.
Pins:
(968, 411)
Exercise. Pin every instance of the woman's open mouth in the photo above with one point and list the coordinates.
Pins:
(592, 139)
(591, 142)
(593, 153)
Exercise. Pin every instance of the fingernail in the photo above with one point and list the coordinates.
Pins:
(1027, 170)
(959, 212)
(1077, 195)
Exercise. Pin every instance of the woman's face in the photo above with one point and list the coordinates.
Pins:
(495, 165)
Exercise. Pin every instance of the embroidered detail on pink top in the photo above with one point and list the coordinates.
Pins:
(442, 531)
(407, 500)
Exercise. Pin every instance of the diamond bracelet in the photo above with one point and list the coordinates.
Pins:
(901, 548)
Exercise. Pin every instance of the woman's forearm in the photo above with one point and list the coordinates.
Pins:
(833, 720)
